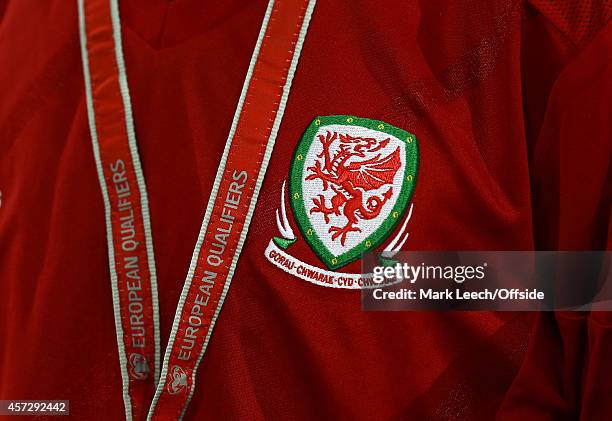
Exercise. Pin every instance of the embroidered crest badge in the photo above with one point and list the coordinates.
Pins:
(350, 183)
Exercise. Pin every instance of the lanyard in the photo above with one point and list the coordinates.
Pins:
(148, 392)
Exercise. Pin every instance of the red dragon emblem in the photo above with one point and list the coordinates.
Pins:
(357, 166)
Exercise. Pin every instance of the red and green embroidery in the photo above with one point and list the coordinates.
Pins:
(350, 182)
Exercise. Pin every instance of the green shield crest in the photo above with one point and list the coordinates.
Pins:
(350, 182)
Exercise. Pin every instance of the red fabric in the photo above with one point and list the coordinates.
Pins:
(563, 376)
(244, 163)
(134, 282)
(464, 76)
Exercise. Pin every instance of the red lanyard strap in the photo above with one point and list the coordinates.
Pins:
(128, 230)
(228, 214)
(239, 178)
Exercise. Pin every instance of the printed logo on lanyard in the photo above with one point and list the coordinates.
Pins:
(228, 213)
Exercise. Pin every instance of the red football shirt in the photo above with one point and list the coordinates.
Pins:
(509, 102)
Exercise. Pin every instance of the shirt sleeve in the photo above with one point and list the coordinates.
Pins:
(565, 374)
